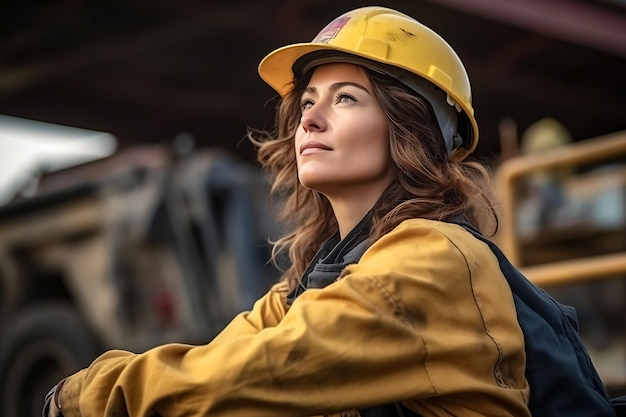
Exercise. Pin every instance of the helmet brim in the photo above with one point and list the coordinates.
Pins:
(276, 69)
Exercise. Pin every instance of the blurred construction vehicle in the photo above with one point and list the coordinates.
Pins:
(145, 247)
(563, 222)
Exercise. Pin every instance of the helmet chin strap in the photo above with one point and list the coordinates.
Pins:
(444, 107)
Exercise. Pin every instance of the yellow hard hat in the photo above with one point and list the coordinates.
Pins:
(399, 46)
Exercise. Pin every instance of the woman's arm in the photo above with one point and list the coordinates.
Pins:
(314, 361)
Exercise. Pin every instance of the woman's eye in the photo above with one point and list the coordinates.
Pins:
(306, 103)
(344, 98)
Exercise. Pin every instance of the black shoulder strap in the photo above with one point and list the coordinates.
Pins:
(562, 378)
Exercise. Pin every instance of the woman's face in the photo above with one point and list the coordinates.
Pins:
(342, 142)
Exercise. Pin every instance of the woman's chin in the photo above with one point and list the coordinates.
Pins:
(314, 181)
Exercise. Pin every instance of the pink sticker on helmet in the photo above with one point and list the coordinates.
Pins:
(331, 30)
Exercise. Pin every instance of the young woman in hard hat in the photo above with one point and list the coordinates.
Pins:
(387, 300)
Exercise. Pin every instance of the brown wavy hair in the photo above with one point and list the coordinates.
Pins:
(427, 182)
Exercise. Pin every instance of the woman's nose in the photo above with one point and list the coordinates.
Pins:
(313, 119)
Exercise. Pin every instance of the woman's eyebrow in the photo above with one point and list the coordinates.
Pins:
(336, 86)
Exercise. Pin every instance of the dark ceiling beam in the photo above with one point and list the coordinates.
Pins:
(567, 20)
(516, 51)
(15, 79)
(167, 100)
(548, 94)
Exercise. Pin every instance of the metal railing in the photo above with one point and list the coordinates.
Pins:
(591, 151)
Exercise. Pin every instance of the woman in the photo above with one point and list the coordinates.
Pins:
(387, 299)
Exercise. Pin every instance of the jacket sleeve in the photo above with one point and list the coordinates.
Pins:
(361, 341)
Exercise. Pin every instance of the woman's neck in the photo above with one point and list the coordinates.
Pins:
(349, 209)
(348, 217)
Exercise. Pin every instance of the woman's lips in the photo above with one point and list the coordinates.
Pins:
(311, 147)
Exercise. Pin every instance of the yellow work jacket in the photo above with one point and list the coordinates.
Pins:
(425, 316)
